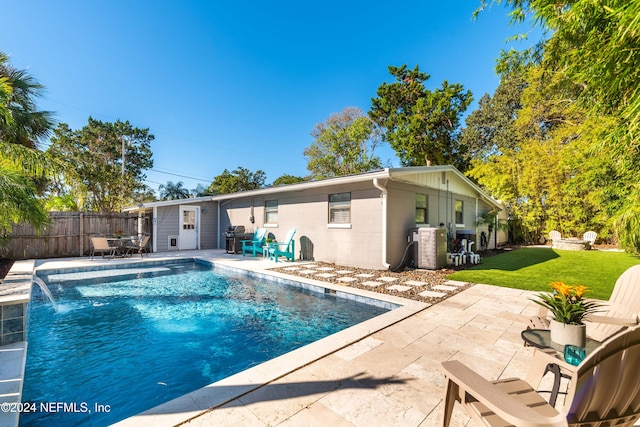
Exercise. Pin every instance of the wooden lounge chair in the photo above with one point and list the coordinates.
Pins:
(101, 245)
(254, 246)
(140, 246)
(622, 309)
(285, 249)
(604, 390)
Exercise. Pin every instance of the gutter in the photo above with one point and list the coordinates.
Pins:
(382, 188)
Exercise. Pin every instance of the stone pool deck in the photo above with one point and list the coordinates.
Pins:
(383, 374)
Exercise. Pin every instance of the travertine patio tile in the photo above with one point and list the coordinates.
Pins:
(455, 283)
(316, 415)
(228, 415)
(346, 279)
(387, 279)
(358, 348)
(432, 294)
(414, 283)
(372, 284)
(399, 288)
(364, 275)
(325, 275)
(444, 288)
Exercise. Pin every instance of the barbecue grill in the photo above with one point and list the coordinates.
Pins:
(233, 236)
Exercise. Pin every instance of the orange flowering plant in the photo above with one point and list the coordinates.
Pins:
(567, 303)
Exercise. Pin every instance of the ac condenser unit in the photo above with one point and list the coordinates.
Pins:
(430, 247)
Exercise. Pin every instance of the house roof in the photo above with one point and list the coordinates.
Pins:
(413, 175)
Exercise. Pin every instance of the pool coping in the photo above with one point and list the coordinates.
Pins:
(205, 399)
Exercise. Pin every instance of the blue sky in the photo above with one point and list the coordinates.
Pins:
(227, 84)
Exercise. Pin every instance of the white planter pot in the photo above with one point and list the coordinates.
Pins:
(564, 334)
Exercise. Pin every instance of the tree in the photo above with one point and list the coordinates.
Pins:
(289, 179)
(343, 145)
(421, 125)
(20, 121)
(96, 150)
(172, 191)
(21, 164)
(241, 179)
(595, 44)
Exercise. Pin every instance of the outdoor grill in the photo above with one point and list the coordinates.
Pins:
(233, 236)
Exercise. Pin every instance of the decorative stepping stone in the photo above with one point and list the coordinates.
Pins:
(387, 279)
(372, 284)
(307, 271)
(325, 275)
(365, 275)
(432, 294)
(344, 271)
(325, 268)
(399, 288)
(291, 268)
(455, 283)
(414, 283)
(346, 279)
(444, 288)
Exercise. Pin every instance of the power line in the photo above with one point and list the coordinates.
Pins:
(181, 176)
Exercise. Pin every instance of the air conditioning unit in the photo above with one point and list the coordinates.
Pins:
(430, 248)
(173, 242)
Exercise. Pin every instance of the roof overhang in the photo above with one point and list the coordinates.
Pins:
(410, 175)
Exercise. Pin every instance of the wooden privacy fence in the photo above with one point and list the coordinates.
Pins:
(68, 235)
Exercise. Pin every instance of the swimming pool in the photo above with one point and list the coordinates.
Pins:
(141, 336)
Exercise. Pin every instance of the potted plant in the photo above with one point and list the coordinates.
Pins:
(568, 307)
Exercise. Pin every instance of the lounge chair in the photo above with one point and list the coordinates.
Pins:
(555, 235)
(285, 249)
(603, 391)
(590, 236)
(140, 246)
(622, 309)
(101, 245)
(254, 246)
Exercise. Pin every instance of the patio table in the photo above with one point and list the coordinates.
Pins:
(120, 243)
(541, 338)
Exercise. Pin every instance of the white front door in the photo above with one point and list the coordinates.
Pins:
(189, 227)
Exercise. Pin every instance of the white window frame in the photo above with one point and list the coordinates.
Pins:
(270, 210)
(455, 209)
(334, 206)
(425, 208)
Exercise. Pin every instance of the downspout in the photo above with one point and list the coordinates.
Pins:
(381, 187)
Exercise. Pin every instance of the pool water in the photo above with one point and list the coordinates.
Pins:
(138, 338)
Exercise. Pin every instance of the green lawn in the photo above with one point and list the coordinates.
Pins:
(534, 268)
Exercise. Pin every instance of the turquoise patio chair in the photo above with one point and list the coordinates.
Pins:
(254, 246)
(285, 249)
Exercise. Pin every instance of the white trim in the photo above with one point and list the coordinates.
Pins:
(154, 240)
(270, 225)
(335, 225)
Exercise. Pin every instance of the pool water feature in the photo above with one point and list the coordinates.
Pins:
(132, 341)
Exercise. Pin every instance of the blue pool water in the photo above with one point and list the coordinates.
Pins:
(143, 337)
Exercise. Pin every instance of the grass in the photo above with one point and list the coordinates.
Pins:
(534, 268)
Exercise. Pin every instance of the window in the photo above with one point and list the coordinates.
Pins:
(340, 208)
(459, 212)
(188, 220)
(271, 212)
(422, 213)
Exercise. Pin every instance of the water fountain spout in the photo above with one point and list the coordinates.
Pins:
(45, 290)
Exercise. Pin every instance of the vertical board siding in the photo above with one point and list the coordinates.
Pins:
(68, 234)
